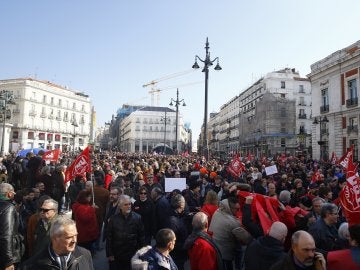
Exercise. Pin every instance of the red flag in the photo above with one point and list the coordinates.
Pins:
(347, 158)
(52, 155)
(316, 176)
(350, 201)
(249, 158)
(81, 165)
(236, 167)
(334, 159)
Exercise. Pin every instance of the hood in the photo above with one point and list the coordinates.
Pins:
(224, 207)
(136, 262)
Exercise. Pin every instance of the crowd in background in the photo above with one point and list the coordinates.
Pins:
(121, 205)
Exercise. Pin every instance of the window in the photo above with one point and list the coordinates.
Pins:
(282, 95)
(41, 136)
(50, 137)
(283, 84)
(301, 89)
(352, 89)
(356, 149)
(83, 108)
(74, 106)
(52, 101)
(15, 134)
(60, 102)
(353, 122)
(302, 101)
(31, 135)
(324, 97)
(57, 137)
(301, 111)
(283, 112)
(282, 142)
(44, 99)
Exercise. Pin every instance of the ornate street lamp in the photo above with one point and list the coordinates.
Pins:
(207, 63)
(6, 98)
(177, 103)
(321, 142)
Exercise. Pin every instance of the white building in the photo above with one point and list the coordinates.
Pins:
(144, 129)
(334, 81)
(47, 115)
(230, 126)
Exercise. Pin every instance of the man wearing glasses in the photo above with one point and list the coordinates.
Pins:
(48, 212)
(12, 248)
(324, 229)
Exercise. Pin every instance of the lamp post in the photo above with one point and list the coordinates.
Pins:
(74, 123)
(177, 103)
(207, 63)
(322, 143)
(6, 98)
(165, 120)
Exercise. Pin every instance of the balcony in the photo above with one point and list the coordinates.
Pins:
(43, 115)
(51, 116)
(324, 131)
(352, 102)
(58, 118)
(302, 103)
(352, 128)
(16, 111)
(32, 113)
(66, 119)
(302, 116)
(324, 109)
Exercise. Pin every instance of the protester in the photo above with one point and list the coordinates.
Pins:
(124, 236)
(157, 257)
(302, 254)
(263, 252)
(62, 252)
(12, 247)
(86, 221)
(203, 252)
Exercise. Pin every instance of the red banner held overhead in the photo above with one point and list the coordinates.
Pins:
(346, 159)
(334, 159)
(80, 166)
(52, 155)
(350, 200)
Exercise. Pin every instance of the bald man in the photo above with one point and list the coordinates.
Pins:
(302, 254)
(264, 251)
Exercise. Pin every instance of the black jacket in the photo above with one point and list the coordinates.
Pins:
(263, 252)
(125, 235)
(326, 237)
(11, 242)
(145, 210)
(161, 214)
(80, 259)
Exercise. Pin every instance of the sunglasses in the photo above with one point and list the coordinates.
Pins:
(45, 210)
(143, 193)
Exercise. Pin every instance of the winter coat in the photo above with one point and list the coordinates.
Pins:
(80, 259)
(203, 252)
(145, 210)
(178, 223)
(227, 231)
(162, 211)
(86, 222)
(11, 242)
(287, 263)
(209, 210)
(326, 237)
(263, 252)
(151, 259)
(125, 235)
(42, 235)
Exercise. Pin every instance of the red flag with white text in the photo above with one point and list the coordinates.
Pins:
(347, 158)
(52, 155)
(316, 176)
(334, 159)
(80, 166)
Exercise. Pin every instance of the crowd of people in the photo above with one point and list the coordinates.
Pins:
(285, 220)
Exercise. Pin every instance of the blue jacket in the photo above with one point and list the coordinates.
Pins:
(150, 258)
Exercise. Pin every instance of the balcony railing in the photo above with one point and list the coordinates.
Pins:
(16, 111)
(324, 108)
(32, 113)
(58, 118)
(324, 131)
(43, 115)
(352, 102)
(352, 128)
(302, 116)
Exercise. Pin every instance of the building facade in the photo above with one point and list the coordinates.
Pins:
(47, 115)
(147, 127)
(335, 83)
(233, 128)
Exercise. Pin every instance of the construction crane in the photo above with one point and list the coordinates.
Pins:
(154, 91)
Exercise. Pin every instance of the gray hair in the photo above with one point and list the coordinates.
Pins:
(199, 222)
(328, 208)
(285, 196)
(344, 231)
(176, 201)
(123, 198)
(54, 203)
(57, 228)
(318, 199)
(278, 231)
(5, 188)
(45, 170)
